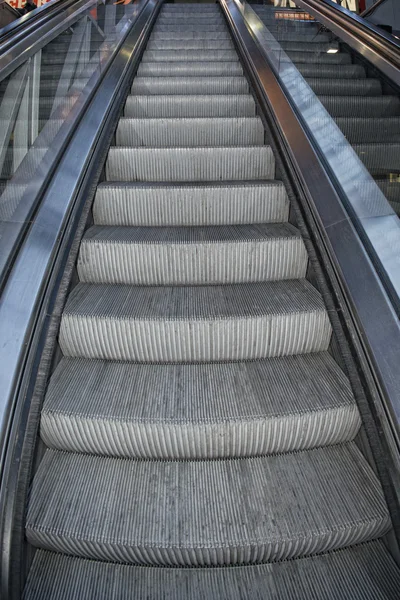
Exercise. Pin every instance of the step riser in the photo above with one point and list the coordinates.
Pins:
(180, 106)
(346, 87)
(162, 133)
(380, 158)
(190, 35)
(180, 442)
(189, 55)
(197, 28)
(215, 164)
(194, 340)
(332, 71)
(370, 130)
(158, 86)
(185, 45)
(320, 59)
(192, 264)
(147, 206)
(201, 69)
(385, 106)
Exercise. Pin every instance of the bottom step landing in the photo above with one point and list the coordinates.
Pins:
(364, 572)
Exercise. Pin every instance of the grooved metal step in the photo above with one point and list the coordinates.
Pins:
(348, 106)
(200, 513)
(300, 36)
(307, 46)
(341, 58)
(190, 164)
(194, 324)
(197, 27)
(360, 130)
(191, 256)
(194, 44)
(190, 69)
(208, 204)
(185, 34)
(187, 106)
(346, 87)
(189, 55)
(331, 71)
(380, 158)
(365, 572)
(166, 133)
(213, 410)
(193, 86)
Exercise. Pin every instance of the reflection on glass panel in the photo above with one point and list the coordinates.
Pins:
(39, 101)
(352, 113)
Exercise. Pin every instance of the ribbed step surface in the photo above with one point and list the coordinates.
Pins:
(346, 87)
(149, 205)
(186, 106)
(360, 130)
(190, 69)
(380, 158)
(164, 133)
(185, 34)
(190, 85)
(213, 410)
(189, 55)
(331, 71)
(190, 164)
(191, 256)
(190, 324)
(366, 572)
(205, 512)
(350, 106)
(199, 44)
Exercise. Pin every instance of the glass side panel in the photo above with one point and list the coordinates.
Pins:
(41, 99)
(352, 114)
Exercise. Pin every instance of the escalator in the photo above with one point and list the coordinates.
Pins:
(199, 436)
(365, 107)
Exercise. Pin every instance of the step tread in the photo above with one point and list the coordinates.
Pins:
(213, 410)
(193, 302)
(194, 323)
(190, 164)
(364, 572)
(190, 86)
(208, 204)
(234, 131)
(189, 55)
(205, 512)
(191, 255)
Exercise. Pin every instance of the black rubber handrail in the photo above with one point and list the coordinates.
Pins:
(371, 9)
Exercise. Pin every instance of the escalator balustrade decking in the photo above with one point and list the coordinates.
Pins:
(197, 418)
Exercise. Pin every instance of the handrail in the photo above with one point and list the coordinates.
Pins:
(375, 44)
(32, 19)
(39, 266)
(368, 11)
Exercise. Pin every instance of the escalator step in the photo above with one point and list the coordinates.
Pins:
(306, 46)
(308, 36)
(331, 71)
(199, 44)
(209, 204)
(341, 58)
(194, 324)
(190, 164)
(348, 106)
(213, 410)
(191, 69)
(346, 87)
(189, 8)
(190, 86)
(359, 130)
(186, 106)
(222, 512)
(380, 158)
(189, 55)
(191, 19)
(163, 133)
(365, 572)
(185, 34)
(391, 189)
(197, 27)
(191, 256)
